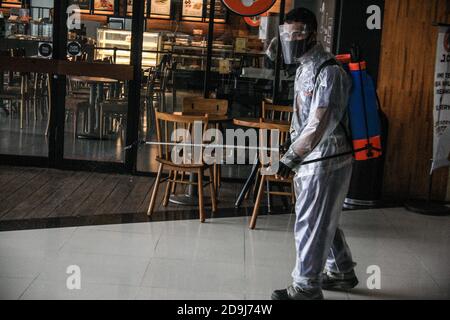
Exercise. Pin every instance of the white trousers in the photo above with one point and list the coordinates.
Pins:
(318, 240)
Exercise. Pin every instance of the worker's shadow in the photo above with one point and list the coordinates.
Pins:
(375, 294)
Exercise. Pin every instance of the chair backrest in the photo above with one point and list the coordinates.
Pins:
(269, 133)
(276, 112)
(167, 123)
(199, 105)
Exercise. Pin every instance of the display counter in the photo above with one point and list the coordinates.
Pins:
(117, 44)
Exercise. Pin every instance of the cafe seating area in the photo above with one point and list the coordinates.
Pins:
(95, 120)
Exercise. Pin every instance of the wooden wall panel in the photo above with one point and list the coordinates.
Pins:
(406, 92)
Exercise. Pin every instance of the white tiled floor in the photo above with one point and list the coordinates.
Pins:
(221, 259)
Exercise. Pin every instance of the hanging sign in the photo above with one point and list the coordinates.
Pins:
(248, 8)
(253, 21)
(45, 49)
(441, 109)
(74, 48)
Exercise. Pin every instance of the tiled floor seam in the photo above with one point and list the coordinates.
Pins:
(31, 283)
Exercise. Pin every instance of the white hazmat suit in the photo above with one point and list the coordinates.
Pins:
(317, 131)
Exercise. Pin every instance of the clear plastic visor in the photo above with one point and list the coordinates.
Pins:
(294, 31)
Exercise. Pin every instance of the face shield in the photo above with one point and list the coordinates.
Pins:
(295, 41)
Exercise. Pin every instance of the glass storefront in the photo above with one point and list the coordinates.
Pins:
(181, 54)
(24, 97)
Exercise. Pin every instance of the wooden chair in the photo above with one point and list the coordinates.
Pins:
(165, 123)
(162, 73)
(199, 105)
(115, 110)
(282, 131)
(39, 94)
(21, 95)
(76, 106)
(270, 111)
(276, 112)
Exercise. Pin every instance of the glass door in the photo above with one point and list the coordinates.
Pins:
(26, 62)
(70, 86)
(102, 89)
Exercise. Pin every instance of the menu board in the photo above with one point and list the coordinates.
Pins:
(83, 4)
(192, 8)
(11, 3)
(104, 5)
(130, 7)
(219, 12)
(160, 7)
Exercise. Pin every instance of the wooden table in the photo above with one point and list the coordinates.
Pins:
(254, 123)
(96, 86)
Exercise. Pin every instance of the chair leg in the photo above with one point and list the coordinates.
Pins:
(22, 107)
(151, 206)
(254, 187)
(219, 177)
(75, 124)
(101, 124)
(174, 184)
(47, 128)
(168, 188)
(257, 203)
(269, 199)
(201, 205)
(215, 182)
(35, 108)
(212, 190)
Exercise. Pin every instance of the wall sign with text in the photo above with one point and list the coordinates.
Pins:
(45, 49)
(160, 7)
(192, 8)
(249, 8)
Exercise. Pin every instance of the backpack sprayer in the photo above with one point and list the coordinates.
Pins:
(365, 129)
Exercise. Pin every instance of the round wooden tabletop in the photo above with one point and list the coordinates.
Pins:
(256, 122)
(92, 80)
(211, 117)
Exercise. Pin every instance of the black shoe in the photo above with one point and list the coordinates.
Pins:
(292, 293)
(339, 281)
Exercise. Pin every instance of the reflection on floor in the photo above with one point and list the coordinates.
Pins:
(39, 197)
(220, 259)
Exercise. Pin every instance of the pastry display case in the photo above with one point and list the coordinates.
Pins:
(110, 40)
(189, 52)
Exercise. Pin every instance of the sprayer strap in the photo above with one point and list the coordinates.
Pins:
(333, 62)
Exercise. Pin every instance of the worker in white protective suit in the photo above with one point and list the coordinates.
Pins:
(318, 130)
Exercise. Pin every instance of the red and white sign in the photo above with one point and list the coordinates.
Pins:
(253, 21)
(248, 8)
